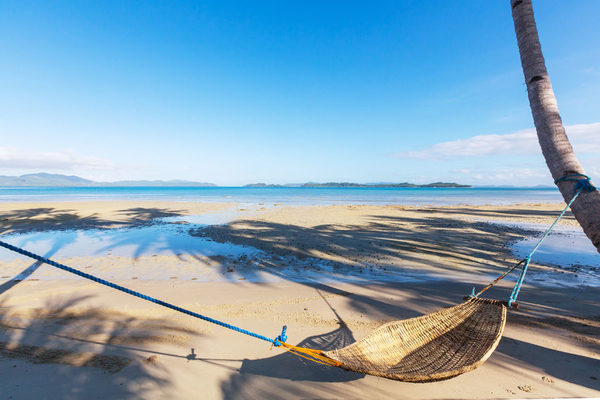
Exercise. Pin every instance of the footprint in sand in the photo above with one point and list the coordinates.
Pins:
(526, 388)
(546, 379)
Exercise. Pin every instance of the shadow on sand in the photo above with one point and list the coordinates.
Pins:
(55, 219)
(85, 346)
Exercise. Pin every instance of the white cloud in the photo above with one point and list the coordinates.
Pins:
(520, 174)
(584, 138)
(506, 174)
(15, 158)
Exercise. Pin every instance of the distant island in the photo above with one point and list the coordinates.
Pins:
(58, 180)
(43, 179)
(360, 185)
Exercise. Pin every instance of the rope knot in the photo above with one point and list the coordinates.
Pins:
(473, 295)
(583, 182)
(281, 338)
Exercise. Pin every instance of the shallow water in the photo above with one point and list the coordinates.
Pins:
(291, 196)
(199, 258)
(576, 260)
(565, 246)
(573, 259)
(134, 243)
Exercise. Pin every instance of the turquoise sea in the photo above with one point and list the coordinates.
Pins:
(295, 196)
(568, 247)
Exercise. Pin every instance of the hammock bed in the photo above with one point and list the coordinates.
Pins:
(429, 348)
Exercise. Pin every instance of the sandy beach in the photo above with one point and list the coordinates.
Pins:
(331, 273)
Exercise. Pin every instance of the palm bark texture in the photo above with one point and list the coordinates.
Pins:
(556, 148)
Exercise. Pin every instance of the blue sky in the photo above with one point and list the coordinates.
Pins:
(286, 92)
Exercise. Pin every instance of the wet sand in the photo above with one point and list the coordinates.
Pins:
(331, 274)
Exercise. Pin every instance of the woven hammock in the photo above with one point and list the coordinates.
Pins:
(429, 348)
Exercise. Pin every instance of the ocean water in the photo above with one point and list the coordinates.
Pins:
(573, 259)
(290, 196)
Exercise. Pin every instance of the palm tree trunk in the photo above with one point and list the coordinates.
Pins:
(551, 134)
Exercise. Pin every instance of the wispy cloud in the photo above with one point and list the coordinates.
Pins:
(15, 158)
(506, 174)
(584, 138)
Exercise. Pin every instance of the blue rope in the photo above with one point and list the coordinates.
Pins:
(581, 179)
(583, 182)
(275, 342)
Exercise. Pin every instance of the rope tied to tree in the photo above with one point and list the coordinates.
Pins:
(583, 183)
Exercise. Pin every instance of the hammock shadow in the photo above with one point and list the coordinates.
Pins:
(336, 339)
(288, 367)
(285, 368)
(291, 367)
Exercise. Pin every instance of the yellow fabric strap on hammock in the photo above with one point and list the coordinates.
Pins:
(317, 356)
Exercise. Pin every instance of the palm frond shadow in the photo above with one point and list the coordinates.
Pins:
(382, 243)
(57, 244)
(59, 219)
(86, 343)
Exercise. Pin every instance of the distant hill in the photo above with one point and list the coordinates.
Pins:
(43, 179)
